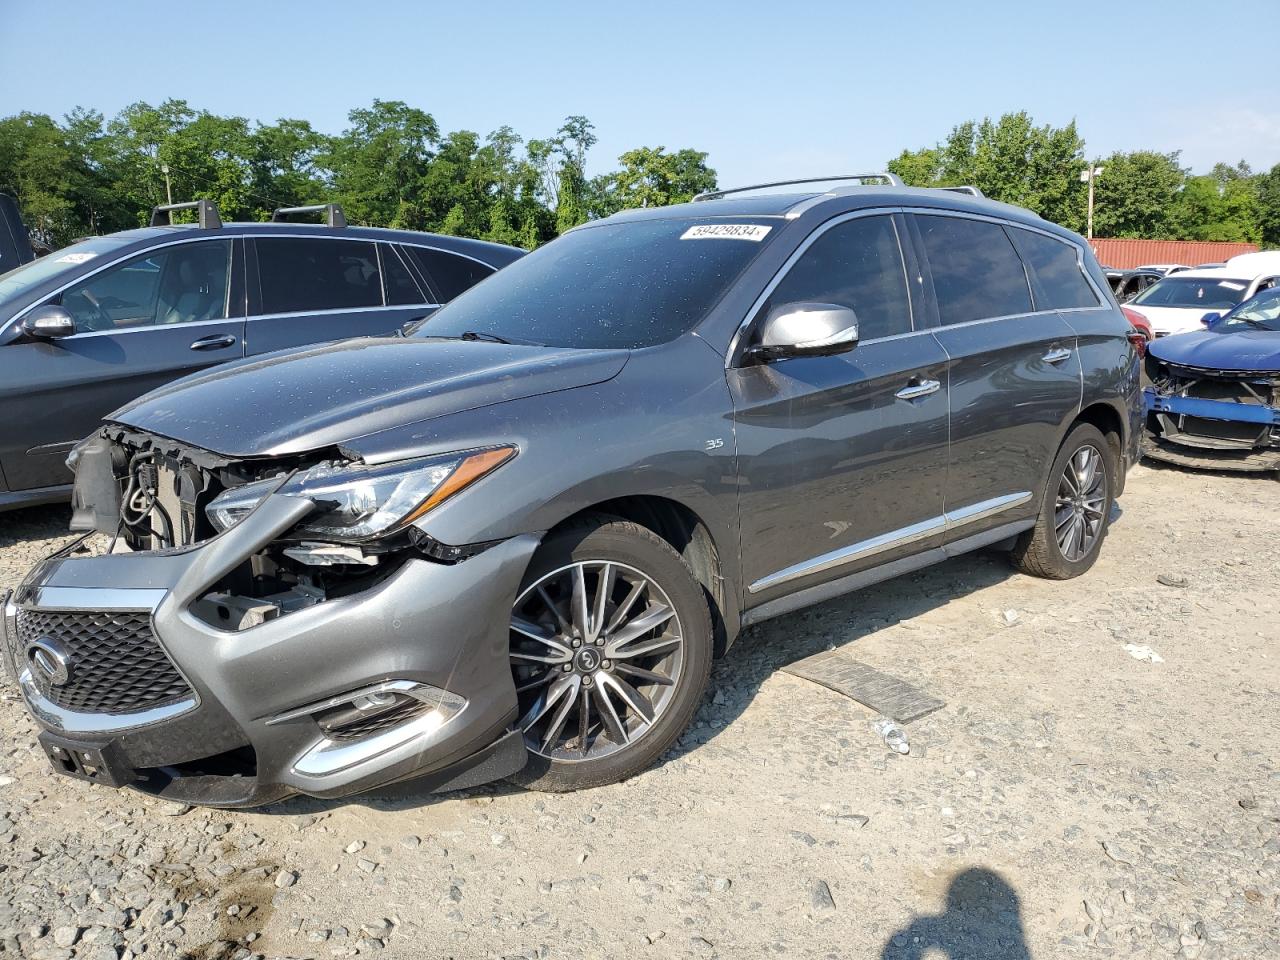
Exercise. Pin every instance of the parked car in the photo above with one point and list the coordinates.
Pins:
(1214, 398)
(1127, 284)
(1164, 269)
(1141, 325)
(1176, 303)
(107, 319)
(510, 544)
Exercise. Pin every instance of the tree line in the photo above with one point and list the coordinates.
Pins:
(392, 166)
(1140, 194)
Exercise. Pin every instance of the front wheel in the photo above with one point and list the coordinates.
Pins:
(610, 652)
(1075, 509)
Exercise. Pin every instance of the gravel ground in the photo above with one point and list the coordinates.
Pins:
(1071, 798)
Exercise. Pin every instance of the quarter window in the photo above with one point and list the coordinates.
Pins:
(856, 264)
(976, 272)
(447, 272)
(305, 273)
(184, 283)
(1057, 267)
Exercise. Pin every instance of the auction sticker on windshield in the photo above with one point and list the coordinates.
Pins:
(727, 231)
(76, 258)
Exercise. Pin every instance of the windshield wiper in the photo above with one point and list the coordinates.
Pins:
(488, 337)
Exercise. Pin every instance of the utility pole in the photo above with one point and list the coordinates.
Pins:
(168, 189)
(1088, 176)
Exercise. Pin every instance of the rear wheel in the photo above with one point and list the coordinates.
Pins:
(610, 653)
(1075, 509)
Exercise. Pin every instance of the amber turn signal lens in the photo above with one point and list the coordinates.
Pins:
(467, 472)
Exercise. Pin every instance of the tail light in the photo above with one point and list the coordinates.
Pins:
(1141, 334)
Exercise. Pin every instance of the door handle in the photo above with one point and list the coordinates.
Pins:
(1056, 355)
(215, 342)
(918, 389)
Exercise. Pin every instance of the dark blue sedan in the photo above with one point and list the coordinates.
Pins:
(88, 328)
(1214, 396)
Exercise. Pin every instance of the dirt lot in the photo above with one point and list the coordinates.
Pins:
(1070, 799)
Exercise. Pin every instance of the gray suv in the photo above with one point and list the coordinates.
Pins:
(510, 543)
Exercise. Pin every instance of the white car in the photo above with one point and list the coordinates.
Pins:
(1177, 303)
(1165, 268)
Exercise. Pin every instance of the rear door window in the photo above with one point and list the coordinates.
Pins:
(976, 272)
(1056, 265)
(449, 273)
(300, 274)
(856, 264)
(402, 289)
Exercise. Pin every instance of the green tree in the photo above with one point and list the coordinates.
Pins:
(1136, 195)
(1268, 187)
(651, 177)
(378, 164)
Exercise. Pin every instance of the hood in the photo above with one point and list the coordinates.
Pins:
(1167, 320)
(1238, 350)
(288, 403)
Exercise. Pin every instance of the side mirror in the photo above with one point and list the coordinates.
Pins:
(1209, 319)
(806, 330)
(49, 322)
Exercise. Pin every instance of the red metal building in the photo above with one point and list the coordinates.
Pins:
(1127, 254)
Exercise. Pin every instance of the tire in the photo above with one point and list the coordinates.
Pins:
(621, 745)
(1038, 551)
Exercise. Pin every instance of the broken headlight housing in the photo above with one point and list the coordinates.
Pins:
(357, 503)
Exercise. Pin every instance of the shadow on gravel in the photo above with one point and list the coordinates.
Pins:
(983, 919)
(34, 523)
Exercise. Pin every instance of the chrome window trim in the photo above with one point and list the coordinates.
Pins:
(782, 271)
(17, 317)
(948, 521)
(324, 313)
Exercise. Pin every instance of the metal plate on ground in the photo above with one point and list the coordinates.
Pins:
(872, 688)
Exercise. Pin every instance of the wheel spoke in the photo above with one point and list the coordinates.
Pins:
(604, 590)
(541, 681)
(1064, 513)
(584, 719)
(624, 608)
(532, 631)
(613, 724)
(632, 697)
(547, 700)
(653, 617)
(564, 625)
(562, 714)
(1069, 481)
(579, 602)
(645, 676)
(643, 648)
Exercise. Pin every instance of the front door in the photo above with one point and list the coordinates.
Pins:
(140, 324)
(841, 460)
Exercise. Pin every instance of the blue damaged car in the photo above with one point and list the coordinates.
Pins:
(1214, 395)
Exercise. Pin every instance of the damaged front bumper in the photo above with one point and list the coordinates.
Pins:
(1235, 427)
(133, 683)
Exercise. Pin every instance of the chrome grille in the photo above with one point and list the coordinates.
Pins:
(116, 664)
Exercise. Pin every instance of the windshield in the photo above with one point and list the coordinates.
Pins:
(1201, 293)
(1260, 313)
(614, 285)
(23, 278)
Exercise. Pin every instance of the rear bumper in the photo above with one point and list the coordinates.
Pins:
(242, 736)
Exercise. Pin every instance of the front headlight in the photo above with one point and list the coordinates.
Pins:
(362, 503)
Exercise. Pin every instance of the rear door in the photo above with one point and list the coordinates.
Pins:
(140, 323)
(1012, 369)
(842, 459)
(306, 290)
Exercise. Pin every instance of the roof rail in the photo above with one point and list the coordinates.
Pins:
(971, 191)
(206, 214)
(891, 178)
(333, 215)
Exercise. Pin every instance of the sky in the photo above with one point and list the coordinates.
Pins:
(769, 90)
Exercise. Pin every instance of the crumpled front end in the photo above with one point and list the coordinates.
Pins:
(1214, 419)
(233, 668)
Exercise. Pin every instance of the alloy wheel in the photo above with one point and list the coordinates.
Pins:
(596, 652)
(1082, 496)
